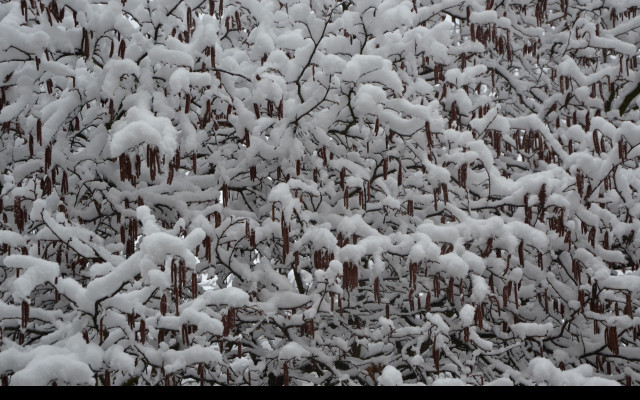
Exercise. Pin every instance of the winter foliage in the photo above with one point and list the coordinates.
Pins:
(295, 192)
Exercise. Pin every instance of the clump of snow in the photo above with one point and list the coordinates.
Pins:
(542, 370)
(479, 289)
(448, 382)
(293, 351)
(466, 315)
(390, 377)
(503, 381)
(141, 126)
(36, 272)
(531, 329)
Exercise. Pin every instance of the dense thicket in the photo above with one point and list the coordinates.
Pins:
(319, 192)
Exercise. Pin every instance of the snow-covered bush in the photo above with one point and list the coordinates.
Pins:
(319, 192)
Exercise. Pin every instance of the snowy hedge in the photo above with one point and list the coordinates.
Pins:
(322, 192)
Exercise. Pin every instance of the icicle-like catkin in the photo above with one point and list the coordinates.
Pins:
(285, 237)
(346, 197)
(521, 253)
(143, 331)
(225, 195)
(163, 305)
(25, 314)
(385, 167)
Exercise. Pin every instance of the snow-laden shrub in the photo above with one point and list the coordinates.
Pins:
(319, 192)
